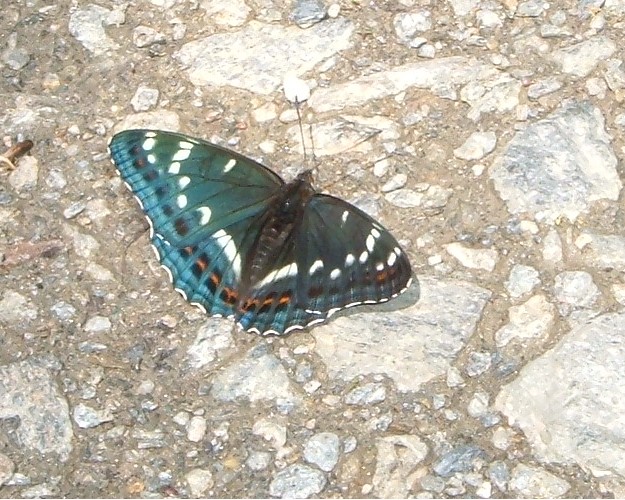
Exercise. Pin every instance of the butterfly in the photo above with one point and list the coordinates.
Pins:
(239, 242)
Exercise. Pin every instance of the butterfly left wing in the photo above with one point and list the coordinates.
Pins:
(338, 257)
(202, 203)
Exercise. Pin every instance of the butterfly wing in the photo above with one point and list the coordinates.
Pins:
(339, 257)
(202, 202)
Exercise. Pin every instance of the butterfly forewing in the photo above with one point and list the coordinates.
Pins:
(189, 188)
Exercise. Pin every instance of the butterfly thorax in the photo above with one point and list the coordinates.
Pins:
(278, 225)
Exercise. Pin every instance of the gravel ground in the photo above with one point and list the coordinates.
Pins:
(488, 136)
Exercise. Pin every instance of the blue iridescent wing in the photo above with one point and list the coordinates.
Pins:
(202, 203)
(338, 257)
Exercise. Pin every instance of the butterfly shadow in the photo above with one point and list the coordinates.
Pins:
(407, 299)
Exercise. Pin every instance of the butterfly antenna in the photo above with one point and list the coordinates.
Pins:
(301, 127)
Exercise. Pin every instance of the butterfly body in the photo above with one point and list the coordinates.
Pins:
(237, 241)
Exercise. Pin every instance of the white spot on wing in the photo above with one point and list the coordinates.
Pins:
(318, 264)
(379, 266)
(151, 158)
(375, 233)
(199, 306)
(370, 243)
(150, 134)
(149, 143)
(284, 272)
(171, 277)
(174, 168)
(344, 217)
(183, 182)
(181, 155)
(349, 260)
(185, 145)
(205, 216)
(181, 201)
(392, 258)
(224, 240)
(363, 257)
(335, 274)
(230, 165)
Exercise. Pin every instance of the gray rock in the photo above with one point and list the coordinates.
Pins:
(323, 450)
(497, 94)
(602, 251)
(306, 13)
(258, 460)
(477, 146)
(397, 463)
(581, 58)
(427, 75)
(226, 12)
(552, 247)
(367, 394)
(479, 362)
(522, 280)
(24, 177)
(404, 198)
(568, 400)
(543, 87)
(196, 429)
(144, 98)
(213, 337)
(530, 8)
(258, 376)
(473, 258)
(408, 24)
(460, 459)
(199, 481)
(575, 289)
(271, 430)
(13, 56)
(557, 166)
(73, 210)
(149, 439)
(98, 324)
(266, 53)
(349, 444)
(87, 26)
(145, 36)
(398, 181)
(478, 406)
(15, 308)
(385, 342)
(297, 481)
(87, 417)
(531, 320)
(28, 391)
(499, 474)
(533, 482)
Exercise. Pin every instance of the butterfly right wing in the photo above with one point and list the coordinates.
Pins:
(338, 257)
(202, 202)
